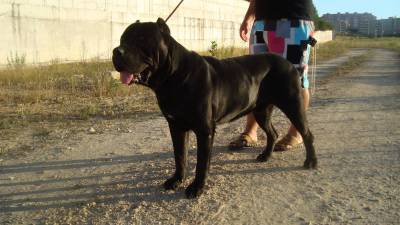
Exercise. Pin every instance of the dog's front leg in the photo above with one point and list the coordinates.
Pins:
(204, 145)
(180, 141)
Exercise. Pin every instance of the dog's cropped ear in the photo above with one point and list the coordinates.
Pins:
(137, 21)
(163, 26)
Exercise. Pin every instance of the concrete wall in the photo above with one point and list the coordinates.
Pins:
(46, 30)
(323, 36)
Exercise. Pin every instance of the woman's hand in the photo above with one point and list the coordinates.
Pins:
(245, 29)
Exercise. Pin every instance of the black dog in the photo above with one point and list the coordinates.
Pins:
(197, 93)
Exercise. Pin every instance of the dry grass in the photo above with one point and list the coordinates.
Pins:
(46, 82)
(343, 44)
(72, 91)
(225, 52)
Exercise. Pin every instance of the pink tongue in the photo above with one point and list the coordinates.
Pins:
(126, 77)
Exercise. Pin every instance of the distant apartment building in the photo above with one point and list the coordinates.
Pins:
(368, 28)
(364, 24)
(359, 23)
(388, 27)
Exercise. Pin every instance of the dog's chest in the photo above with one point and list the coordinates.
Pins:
(169, 116)
(178, 113)
(171, 109)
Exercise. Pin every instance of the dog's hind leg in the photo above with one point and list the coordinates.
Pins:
(294, 110)
(180, 142)
(263, 118)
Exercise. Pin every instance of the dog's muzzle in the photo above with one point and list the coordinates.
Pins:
(126, 76)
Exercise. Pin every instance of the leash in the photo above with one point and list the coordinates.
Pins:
(314, 70)
(313, 44)
(173, 11)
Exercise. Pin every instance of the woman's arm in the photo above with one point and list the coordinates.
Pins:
(248, 21)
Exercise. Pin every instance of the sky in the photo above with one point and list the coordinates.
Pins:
(382, 9)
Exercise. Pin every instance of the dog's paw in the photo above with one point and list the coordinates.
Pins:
(172, 183)
(193, 190)
(262, 157)
(310, 163)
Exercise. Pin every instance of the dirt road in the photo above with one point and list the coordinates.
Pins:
(114, 176)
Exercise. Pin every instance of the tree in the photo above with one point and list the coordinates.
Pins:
(320, 23)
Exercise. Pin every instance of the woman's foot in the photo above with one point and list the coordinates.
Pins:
(288, 142)
(243, 141)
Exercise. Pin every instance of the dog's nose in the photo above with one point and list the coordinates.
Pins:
(119, 51)
(117, 58)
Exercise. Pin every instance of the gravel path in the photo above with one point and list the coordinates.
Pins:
(114, 176)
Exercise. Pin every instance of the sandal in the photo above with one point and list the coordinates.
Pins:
(288, 143)
(243, 141)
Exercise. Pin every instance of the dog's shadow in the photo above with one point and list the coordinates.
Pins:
(140, 180)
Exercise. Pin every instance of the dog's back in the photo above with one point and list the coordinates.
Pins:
(257, 79)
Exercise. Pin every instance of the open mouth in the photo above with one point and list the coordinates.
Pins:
(127, 78)
(130, 78)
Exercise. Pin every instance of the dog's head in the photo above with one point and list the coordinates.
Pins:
(142, 48)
